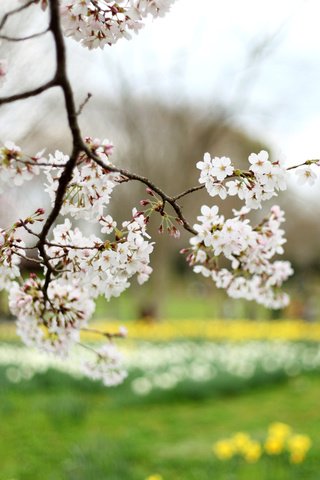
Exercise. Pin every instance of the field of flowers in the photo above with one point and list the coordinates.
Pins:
(182, 356)
(225, 400)
(230, 330)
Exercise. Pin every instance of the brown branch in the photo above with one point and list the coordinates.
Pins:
(13, 12)
(62, 80)
(83, 104)
(22, 39)
(74, 247)
(133, 176)
(109, 335)
(22, 248)
(33, 163)
(187, 192)
(29, 93)
(307, 162)
(61, 76)
(34, 260)
(24, 225)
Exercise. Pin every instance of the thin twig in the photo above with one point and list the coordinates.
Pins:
(133, 176)
(13, 12)
(28, 93)
(83, 104)
(34, 260)
(23, 224)
(187, 192)
(104, 334)
(22, 39)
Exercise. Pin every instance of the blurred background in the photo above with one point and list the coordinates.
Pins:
(229, 78)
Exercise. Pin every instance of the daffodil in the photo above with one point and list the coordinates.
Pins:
(274, 445)
(155, 476)
(223, 449)
(252, 451)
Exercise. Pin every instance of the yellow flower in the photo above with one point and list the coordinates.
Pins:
(155, 476)
(240, 441)
(299, 444)
(279, 429)
(223, 449)
(252, 451)
(297, 457)
(274, 445)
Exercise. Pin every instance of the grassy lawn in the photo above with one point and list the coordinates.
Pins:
(57, 428)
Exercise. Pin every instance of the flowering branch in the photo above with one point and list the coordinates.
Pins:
(53, 311)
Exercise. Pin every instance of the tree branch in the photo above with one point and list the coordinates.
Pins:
(13, 12)
(187, 192)
(83, 104)
(22, 39)
(29, 93)
(133, 176)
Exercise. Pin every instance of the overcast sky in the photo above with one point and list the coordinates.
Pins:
(201, 50)
(205, 51)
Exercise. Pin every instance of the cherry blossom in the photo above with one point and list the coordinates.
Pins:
(249, 250)
(102, 267)
(15, 166)
(107, 366)
(10, 257)
(306, 175)
(90, 189)
(96, 24)
(261, 182)
(50, 322)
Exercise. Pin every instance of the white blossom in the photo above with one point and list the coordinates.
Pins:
(306, 175)
(107, 366)
(15, 166)
(260, 183)
(90, 189)
(104, 22)
(51, 324)
(252, 275)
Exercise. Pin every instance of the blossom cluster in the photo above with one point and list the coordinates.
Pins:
(108, 367)
(52, 311)
(11, 250)
(261, 182)
(91, 186)
(15, 166)
(52, 318)
(103, 22)
(102, 267)
(249, 250)
(50, 321)
(97, 23)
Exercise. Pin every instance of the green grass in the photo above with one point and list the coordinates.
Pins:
(58, 428)
(181, 304)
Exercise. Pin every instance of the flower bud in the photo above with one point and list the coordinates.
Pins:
(150, 192)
